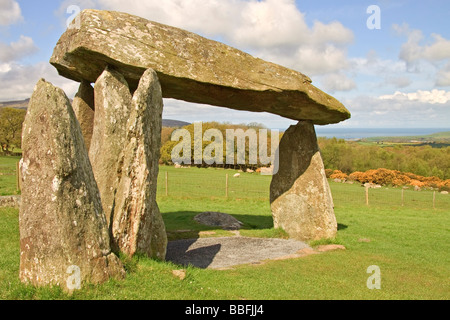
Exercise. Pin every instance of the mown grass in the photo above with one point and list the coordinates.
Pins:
(211, 183)
(8, 185)
(409, 243)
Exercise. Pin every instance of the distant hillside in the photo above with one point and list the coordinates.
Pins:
(441, 135)
(174, 123)
(425, 138)
(23, 104)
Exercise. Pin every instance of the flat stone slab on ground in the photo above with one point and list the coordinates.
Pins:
(218, 219)
(225, 252)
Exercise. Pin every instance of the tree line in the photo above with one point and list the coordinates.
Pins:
(350, 157)
(11, 121)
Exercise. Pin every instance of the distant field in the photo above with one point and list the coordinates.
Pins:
(435, 136)
(8, 176)
(437, 140)
(212, 183)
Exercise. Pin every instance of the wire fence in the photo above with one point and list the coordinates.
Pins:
(220, 183)
(387, 196)
(212, 183)
(199, 183)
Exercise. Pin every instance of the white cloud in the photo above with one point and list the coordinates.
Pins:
(337, 82)
(17, 50)
(334, 32)
(5, 67)
(432, 97)
(439, 50)
(10, 12)
(378, 75)
(268, 23)
(192, 112)
(320, 59)
(21, 80)
(398, 110)
(412, 50)
(399, 82)
(373, 65)
(426, 54)
(443, 76)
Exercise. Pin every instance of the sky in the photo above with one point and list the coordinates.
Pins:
(387, 61)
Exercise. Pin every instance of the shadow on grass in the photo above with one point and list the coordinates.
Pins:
(341, 226)
(178, 252)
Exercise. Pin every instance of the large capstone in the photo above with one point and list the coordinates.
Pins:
(137, 224)
(300, 196)
(190, 67)
(64, 237)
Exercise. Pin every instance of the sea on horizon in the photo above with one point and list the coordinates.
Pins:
(360, 133)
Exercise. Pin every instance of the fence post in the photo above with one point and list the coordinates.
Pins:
(167, 183)
(434, 199)
(226, 186)
(367, 195)
(18, 186)
(403, 197)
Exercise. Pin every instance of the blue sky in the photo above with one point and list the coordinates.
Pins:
(395, 76)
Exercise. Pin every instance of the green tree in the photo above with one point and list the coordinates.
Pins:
(11, 121)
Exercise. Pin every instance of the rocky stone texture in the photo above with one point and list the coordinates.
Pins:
(300, 196)
(218, 219)
(112, 110)
(62, 223)
(190, 67)
(137, 225)
(223, 253)
(84, 108)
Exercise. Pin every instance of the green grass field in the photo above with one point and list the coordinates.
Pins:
(409, 243)
(8, 185)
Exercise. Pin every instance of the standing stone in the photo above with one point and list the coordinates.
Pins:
(63, 231)
(112, 110)
(137, 223)
(300, 196)
(83, 106)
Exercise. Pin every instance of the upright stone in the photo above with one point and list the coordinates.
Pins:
(64, 237)
(300, 196)
(112, 110)
(83, 106)
(137, 225)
